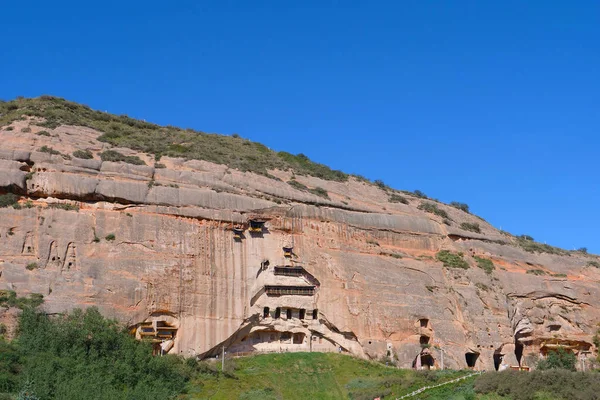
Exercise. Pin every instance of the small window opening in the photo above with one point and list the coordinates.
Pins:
(278, 312)
(288, 252)
(238, 232)
(298, 338)
(424, 322)
(256, 225)
(266, 312)
(315, 314)
(553, 327)
(289, 313)
(302, 313)
(424, 339)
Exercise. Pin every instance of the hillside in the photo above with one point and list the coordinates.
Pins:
(206, 241)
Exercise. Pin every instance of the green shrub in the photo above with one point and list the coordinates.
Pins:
(536, 272)
(8, 199)
(159, 165)
(64, 206)
(485, 264)
(319, 191)
(433, 209)
(26, 130)
(452, 260)
(472, 227)
(583, 250)
(528, 244)
(380, 184)
(83, 154)
(8, 298)
(420, 194)
(461, 206)
(525, 237)
(393, 255)
(110, 237)
(43, 133)
(115, 156)
(593, 264)
(396, 198)
(49, 150)
(297, 185)
(32, 266)
(482, 286)
(559, 359)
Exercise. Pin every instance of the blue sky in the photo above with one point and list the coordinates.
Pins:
(496, 104)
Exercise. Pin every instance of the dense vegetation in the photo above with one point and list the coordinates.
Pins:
(528, 244)
(433, 209)
(84, 356)
(485, 264)
(555, 384)
(150, 138)
(452, 260)
(461, 206)
(473, 227)
(8, 199)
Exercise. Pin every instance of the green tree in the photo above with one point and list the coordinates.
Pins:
(559, 359)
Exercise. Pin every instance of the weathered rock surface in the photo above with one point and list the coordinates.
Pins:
(378, 289)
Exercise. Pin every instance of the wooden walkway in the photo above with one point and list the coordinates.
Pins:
(424, 388)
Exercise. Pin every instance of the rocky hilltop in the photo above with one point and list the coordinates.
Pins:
(200, 242)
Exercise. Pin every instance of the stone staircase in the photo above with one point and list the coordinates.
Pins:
(424, 388)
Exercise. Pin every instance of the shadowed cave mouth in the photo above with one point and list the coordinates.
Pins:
(497, 360)
(518, 352)
(471, 359)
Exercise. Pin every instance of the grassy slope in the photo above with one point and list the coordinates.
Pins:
(312, 376)
(158, 140)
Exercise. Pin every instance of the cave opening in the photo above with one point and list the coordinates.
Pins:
(427, 361)
(289, 313)
(497, 360)
(266, 312)
(278, 312)
(315, 314)
(302, 313)
(424, 339)
(519, 352)
(471, 359)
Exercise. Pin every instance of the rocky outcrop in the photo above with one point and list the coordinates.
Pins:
(158, 245)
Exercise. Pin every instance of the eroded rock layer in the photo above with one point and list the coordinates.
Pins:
(196, 256)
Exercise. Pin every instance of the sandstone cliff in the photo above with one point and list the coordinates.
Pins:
(172, 247)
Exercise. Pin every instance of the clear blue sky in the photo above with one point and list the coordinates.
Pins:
(496, 104)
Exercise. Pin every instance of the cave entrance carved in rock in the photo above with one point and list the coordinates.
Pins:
(471, 359)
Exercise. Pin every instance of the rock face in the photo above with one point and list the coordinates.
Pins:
(193, 253)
